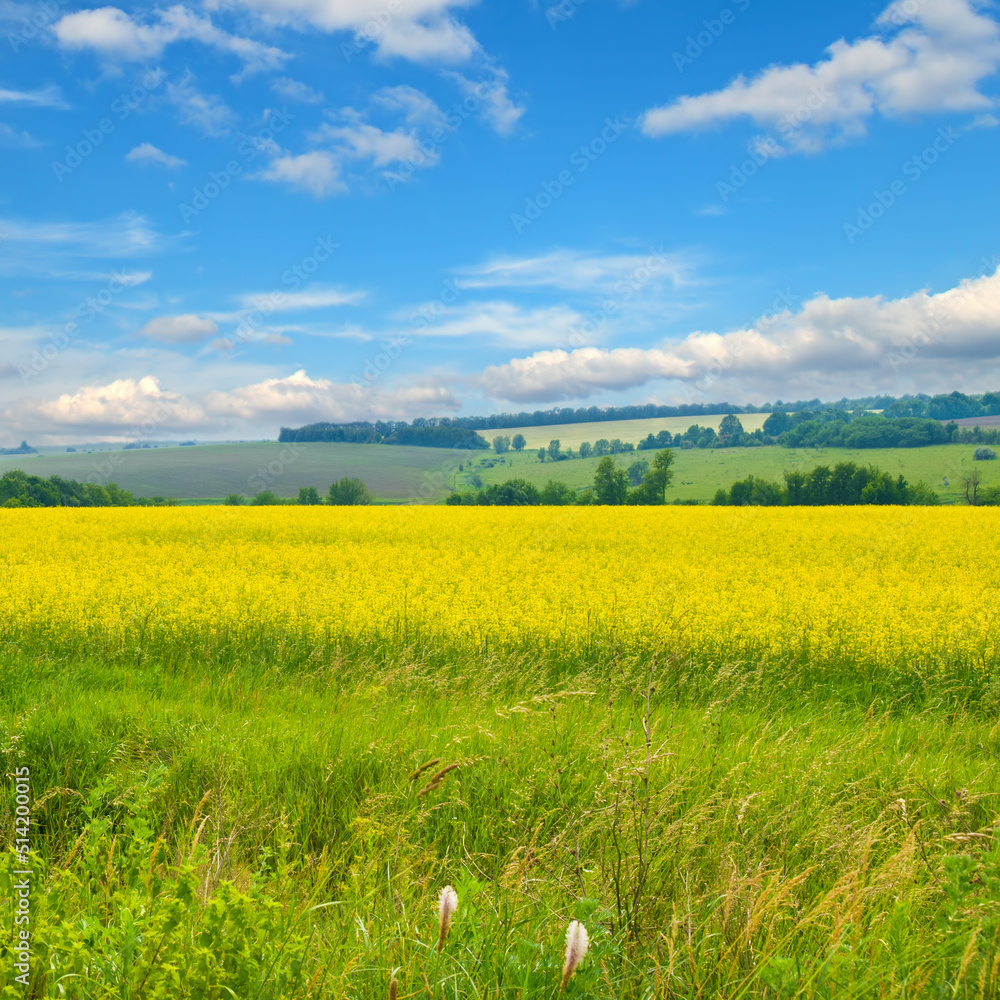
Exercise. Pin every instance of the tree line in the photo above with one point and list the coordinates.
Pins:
(346, 492)
(420, 434)
(18, 489)
(944, 406)
(848, 484)
(610, 487)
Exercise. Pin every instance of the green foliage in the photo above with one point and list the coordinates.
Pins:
(658, 478)
(266, 498)
(309, 496)
(557, 494)
(518, 443)
(984, 454)
(18, 489)
(610, 483)
(637, 471)
(846, 484)
(542, 453)
(585, 449)
(234, 500)
(349, 492)
(501, 444)
(555, 452)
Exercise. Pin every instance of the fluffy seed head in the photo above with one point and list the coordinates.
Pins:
(577, 943)
(447, 905)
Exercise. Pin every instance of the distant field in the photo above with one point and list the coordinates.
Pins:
(209, 472)
(571, 435)
(977, 422)
(699, 473)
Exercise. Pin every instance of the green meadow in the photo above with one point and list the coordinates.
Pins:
(281, 824)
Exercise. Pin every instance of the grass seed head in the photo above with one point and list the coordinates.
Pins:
(577, 943)
(447, 905)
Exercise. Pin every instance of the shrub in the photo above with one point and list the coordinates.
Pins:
(234, 500)
(350, 493)
(984, 454)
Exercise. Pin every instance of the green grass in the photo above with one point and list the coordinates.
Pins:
(213, 471)
(254, 827)
(698, 472)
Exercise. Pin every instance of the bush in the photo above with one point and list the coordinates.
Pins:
(984, 454)
(234, 500)
(350, 493)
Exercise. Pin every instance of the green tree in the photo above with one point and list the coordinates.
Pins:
(777, 423)
(637, 471)
(350, 493)
(309, 496)
(554, 450)
(585, 449)
(234, 500)
(730, 425)
(659, 477)
(610, 483)
(541, 454)
(501, 444)
(265, 498)
(556, 494)
(518, 443)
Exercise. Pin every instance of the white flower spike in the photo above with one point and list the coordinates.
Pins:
(447, 905)
(577, 943)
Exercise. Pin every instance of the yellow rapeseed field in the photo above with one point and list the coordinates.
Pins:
(876, 586)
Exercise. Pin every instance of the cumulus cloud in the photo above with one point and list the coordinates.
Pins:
(206, 112)
(116, 36)
(143, 407)
(417, 30)
(931, 56)
(829, 345)
(351, 142)
(146, 152)
(294, 90)
(496, 107)
(316, 173)
(186, 329)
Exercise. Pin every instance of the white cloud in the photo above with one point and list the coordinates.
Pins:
(123, 406)
(115, 35)
(294, 90)
(418, 30)
(186, 329)
(829, 347)
(317, 173)
(44, 97)
(349, 140)
(313, 297)
(10, 138)
(44, 247)
(132, 407)
(576, 271)
(496, 107)
(146, 152)
(499, 323)
(205, 112)
(935, 62)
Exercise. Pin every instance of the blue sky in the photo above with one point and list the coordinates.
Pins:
(224, 217)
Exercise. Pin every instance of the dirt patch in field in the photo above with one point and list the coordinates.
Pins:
(976, 421)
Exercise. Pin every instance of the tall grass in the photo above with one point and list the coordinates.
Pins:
(282, 825)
